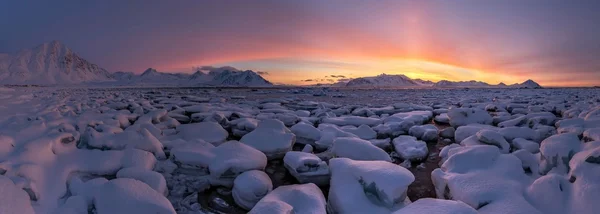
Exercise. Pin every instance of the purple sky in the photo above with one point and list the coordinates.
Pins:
(556, 43)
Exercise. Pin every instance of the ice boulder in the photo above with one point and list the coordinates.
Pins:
(436, 206)
(329, 133)
(193, 157)
(142, 139)
(464, 132)
(249, 187)
(409, 148)
(367, 186)
(13, 200)
(384, 144)
(550, 194)
(208, 131)
(556, 152)
(298, 198)
(575, 193)
(270, 137)
(445, 153)
(483, 178)
(520, 143)
(510, 133)
(358, 149)
(242, 126)
(529, 162)
(415, 117)
(307, 168)
(442, 119)
(153, 179)
(306, 133)
(124, 195)
(592, 134)
(352, 120)
(426, 133)
(393, 129)
(363, 132)
(233, 158)
(465, 116)
(573, 125)
(493, 138)
(584, 174)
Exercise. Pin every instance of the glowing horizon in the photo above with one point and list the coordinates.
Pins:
(554, 43)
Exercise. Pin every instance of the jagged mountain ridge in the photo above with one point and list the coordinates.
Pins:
(385, 80)
(50, 63)
(213, 78)
(478, 84)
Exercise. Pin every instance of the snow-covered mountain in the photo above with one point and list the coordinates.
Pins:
(51, 63)
(237, 78)
(527, 84)
(461, 84)
(479, 84)
(217, 77)
(385, 80)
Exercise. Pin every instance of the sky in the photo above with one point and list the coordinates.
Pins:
(554, 42)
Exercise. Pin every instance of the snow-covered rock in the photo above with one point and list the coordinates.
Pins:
(306, 133)
(483, 178)
(307, 168)
(520, 143)
(557, 151)
(358, 149)
(493, 138)
(352, 121)
(125, 195)
(143, 140)
(436, 206)
(329, 133)
(243, 126)
(233, 158)
(393, 129)
(363, 132)
(464, 132)
(153, 179)
(416, 117)
(465, 116)
(409, 148)
(367, 186)
(249, 187)
(13, 199)
(425, 132)
(298, 198)
(270, 137)
(208, 131)
(592, 134)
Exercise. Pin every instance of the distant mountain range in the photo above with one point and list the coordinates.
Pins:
(479, 84)
(387, 81)
(53, 63)
(199, 78)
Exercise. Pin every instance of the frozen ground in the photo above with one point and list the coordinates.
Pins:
(196, 150)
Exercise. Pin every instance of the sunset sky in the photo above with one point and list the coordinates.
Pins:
(556, 43)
